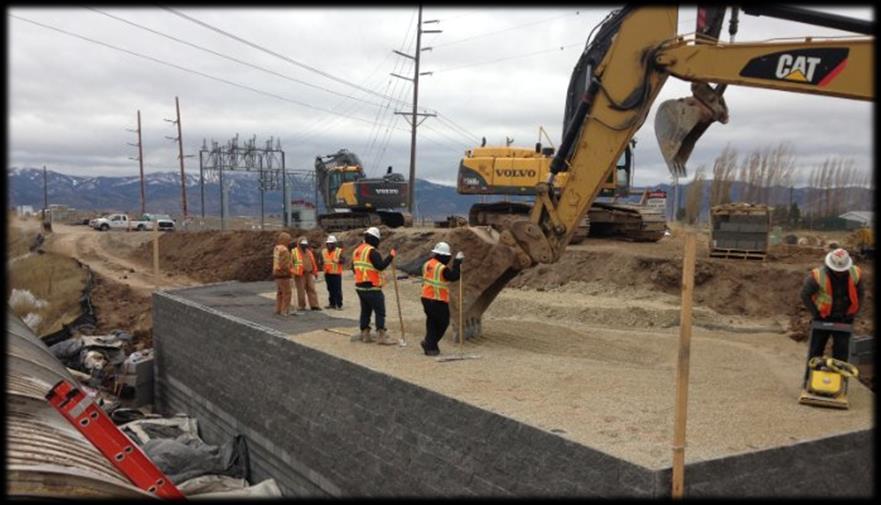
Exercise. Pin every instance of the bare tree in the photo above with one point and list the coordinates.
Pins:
(724, 174)
(695, 196)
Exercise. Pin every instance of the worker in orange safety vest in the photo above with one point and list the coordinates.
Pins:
(436, 276)
(368, 264)
(304, 268)
(332, 263)
(833, 292)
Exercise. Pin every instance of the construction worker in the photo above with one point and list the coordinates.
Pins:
(281, 272)
(304, 268)
(332, 258)
(436, 276)
(368, 264)
(833, 293)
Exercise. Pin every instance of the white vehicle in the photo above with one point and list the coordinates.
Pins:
(165, 222)
(118, 222)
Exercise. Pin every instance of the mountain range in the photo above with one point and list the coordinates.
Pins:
(162, 194)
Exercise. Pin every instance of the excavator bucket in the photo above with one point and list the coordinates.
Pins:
(680, 123)
(488, 266)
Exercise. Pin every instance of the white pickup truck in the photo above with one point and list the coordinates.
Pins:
(122, 222)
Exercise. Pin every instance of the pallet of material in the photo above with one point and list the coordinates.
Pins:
(737, 254)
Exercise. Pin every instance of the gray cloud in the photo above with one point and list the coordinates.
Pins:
(71, 100)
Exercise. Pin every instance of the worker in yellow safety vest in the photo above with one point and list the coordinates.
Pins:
(436, 276)
(332, 263)
(833, 293)
(367, 265)
(305, 272)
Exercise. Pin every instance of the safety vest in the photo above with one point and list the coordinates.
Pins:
(364, 269)
(331, 259)
(823, 298)
(298, 266)
(434, 287)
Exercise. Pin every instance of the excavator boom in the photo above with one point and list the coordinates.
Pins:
(624, 69)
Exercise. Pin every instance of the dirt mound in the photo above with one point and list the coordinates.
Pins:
(118, 306)
(767, 289)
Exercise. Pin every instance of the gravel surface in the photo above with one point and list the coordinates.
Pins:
(599, 369)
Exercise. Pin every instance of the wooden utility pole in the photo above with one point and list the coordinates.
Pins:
(45, 191)
(180, 146)
(183, 177)
(413, 114)
(682, 367)
(141, 164)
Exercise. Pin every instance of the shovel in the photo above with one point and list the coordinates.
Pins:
(680, 123)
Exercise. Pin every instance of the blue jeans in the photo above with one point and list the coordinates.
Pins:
(334, 289)
(372, 301)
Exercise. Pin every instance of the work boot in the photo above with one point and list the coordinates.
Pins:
(328, 306)
(366, 337)
(382, 338)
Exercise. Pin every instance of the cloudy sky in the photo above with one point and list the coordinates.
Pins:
(496, 73)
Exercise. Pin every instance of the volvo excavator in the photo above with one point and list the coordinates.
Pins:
(355, 200)
(612, 89)
(515, 171)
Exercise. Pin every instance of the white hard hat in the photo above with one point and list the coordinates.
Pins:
(373, 230)
(331, 239)
(442, 248)
(304, 241)
(839, 260)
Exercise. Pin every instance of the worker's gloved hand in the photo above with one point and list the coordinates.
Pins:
(393, 253)
(460, 255)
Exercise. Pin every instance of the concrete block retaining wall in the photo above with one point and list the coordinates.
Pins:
(323, 426)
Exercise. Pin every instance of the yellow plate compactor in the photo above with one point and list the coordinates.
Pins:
(826, 379)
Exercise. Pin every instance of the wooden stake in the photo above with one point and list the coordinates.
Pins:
(403, 340)
(682, 368)
(156, 252)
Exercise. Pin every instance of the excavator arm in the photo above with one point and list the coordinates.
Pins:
(636, 50)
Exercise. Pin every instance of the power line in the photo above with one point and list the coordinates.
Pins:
(277, 55)
(304, 83)
(506, 58)
(208, 76)
(515, 27)
(455, 126)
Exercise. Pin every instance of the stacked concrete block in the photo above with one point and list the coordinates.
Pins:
(323, 426)
(136, 378)
(739, 229)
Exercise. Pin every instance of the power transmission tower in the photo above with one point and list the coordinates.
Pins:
(180, 146)
(140, 159)
(413, 114)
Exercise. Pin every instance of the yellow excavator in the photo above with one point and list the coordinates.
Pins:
(515, 171)
(356, 201)
(611, 91)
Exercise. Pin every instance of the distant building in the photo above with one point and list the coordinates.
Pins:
(24, 210)
(303, 214)
(858, 218)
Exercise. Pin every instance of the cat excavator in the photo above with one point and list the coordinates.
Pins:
(612, 89)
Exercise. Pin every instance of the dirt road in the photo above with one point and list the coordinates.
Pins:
(108, 255)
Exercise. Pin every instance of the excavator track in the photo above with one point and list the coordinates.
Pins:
(626, 222)
(341, 221)
(622, 222)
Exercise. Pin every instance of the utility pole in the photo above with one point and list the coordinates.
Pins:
(45, 191)
(180, 146)
(140, 159)
(413, 114)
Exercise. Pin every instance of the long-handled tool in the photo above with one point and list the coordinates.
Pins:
(461, 334)
(402, 342)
